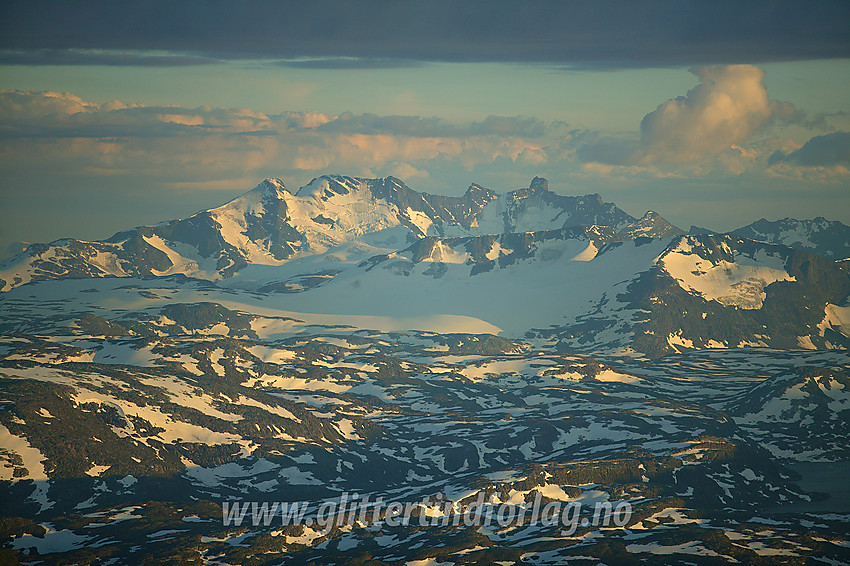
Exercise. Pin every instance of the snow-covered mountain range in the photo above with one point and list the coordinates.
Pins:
(268, 225)
(572, 271)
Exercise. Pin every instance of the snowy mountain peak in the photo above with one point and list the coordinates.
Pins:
(539, 183)
(254, 201)
(696, 230)
(272, 187)
(828, 238)
(595, 199)
(328, 186)
(394, 181)
(650, 225)
(538, 187)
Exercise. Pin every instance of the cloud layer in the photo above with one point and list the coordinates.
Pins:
(719, 128)
(339, 33)
(62, 133)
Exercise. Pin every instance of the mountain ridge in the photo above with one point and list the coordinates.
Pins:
(269, 225)
(828, 238)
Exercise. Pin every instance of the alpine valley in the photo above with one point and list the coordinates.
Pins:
(165, 391)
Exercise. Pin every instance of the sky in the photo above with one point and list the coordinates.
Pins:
(715, 114)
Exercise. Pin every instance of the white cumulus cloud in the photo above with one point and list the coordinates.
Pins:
(728, 107)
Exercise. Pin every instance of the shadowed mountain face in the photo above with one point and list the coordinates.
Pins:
(362, 341)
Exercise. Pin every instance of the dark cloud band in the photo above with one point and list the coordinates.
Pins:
(342, 34)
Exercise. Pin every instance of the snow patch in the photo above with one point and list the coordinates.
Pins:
(738, 283)
(33, 459)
